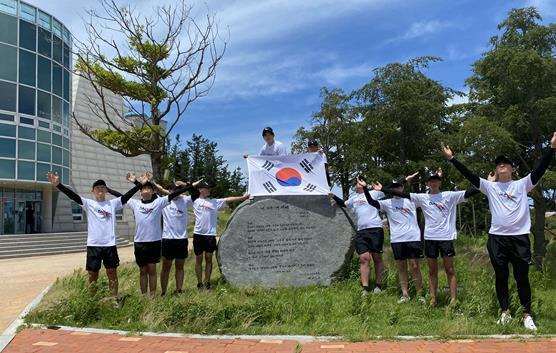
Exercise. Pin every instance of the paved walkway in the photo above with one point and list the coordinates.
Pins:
(22, 279)
(42, 340)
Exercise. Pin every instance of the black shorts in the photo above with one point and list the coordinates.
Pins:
(444, 247)
(174, 248)
(407, 250)
(108, 255)
(203, 243)
(504, 249)
(147, 252)
(369, 240)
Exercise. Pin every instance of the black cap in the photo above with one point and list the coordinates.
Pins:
(268, 130)
(504, 159)
(433, 175)
(397, 182)
(312, 142)
(99, 182)
(203, 185)
(173, 187)
(362, 178)
(147, 185)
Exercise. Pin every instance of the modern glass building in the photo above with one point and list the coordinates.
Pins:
(35, 106)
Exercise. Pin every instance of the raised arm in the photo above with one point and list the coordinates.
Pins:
(54, 179)
(161, 189)
(539, 171)
(368, 196)
(471, 192)
(181, 190)
(338, 200)
(114, 192)
(233, 199)
(378, 187)
(449, 154)
(128, 195)
(193, 191)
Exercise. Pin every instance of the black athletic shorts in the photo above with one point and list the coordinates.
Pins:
(504, 249)
(174, 248)
(369, 240)
(444, 247)
(407, 250)
(108, 255)
(147, 252)
(203, 243)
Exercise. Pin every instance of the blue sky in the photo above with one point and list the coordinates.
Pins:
(281, 52)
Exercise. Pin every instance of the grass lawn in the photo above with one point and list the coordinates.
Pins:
(335, 310)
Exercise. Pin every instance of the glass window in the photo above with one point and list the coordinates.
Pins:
(7, 169)
(66, 36)
(26, 133)
(7, 130)
(67, 62)
(57, 169)
(27, 67)
(57, 49)
(7, 96)
(28, 121)
(56, 109)
(57, 28)
(56, 139)
(76, 211)
(43, 105)
(45, 42)
(66, 143)
(66, 84)
(27, 12)
(43, 152)
(66, 156)
(8, 69)
(42, 170)
(25, 150)
(65, 176)
(56, 128)
(56, 155)
(45, 74)
(9, 6)
(7, 148)
(8, 28)
(43, 136)
(26, 100)
(6, 117)
(27, 35)
(44, 20)
(57, 80)
(26, 170)
(66, 114)
(44, 125)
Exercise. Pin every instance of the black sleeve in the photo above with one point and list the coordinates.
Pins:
(69, 193)
(370, 199)
(114, 192)
(327, 174)
(471, 192)
(128, 195)
(339, 201)
(194, 192)
(402, 194)
(179, 191)
(475, 180)
(539, 171)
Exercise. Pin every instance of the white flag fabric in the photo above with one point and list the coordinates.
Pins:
(298, 174)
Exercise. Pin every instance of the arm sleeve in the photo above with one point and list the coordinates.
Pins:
(539, 171)
(471, 192)
(402, 194)
(114, 192)
(370, 199)
(339, 201)
(128, 195)
(475, 180)
(179, 191)
(69, 193)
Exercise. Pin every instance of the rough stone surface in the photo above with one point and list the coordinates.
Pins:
(286, 241)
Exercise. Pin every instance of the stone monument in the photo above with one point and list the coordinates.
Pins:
(286, 241)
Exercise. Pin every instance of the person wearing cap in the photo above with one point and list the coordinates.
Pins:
(204, 234)
(508, 239)
(148, 232)
(313, 147)
(101, 228)
(439, 209)
(369, 238)
(405, 235)
(272, 147)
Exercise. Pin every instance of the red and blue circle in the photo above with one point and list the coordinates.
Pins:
(288, 177)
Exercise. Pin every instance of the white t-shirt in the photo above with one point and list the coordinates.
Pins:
(175, 219)
(440, 213)
(276, 149)
(367, 215)
(402, 218)
(509, 206)
(148, 218)
(206, 215)
(101, 221)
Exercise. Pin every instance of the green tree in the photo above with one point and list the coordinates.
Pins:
(159, 65)
(513, 89)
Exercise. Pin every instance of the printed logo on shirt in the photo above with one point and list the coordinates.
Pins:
(146, 210)
(176, 210)
(508, 197)
(361, 202)
(403, 210)
(103, 213)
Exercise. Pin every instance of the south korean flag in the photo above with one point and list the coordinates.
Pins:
(302, 174)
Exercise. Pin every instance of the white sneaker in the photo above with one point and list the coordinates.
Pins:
(364, 293)
(404, 299)
(377, 290)
(529, 323)
(505, 319)
(422, 299)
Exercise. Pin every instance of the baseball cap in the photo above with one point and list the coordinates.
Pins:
(147, 185)
(397, 182)
(433, 175)
(268, 130)
(504, 159)
(313, 142)
(203, 185)
(99, 182)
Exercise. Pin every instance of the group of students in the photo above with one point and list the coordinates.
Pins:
(508, 240)
(160, 229)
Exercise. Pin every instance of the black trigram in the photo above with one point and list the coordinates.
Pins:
(268, 165)
(306, 165)
(310, 188)
(269, 187)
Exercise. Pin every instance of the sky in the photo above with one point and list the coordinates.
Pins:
(280, 53)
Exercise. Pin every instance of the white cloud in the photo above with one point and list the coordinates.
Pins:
(421, 29)
(459, 99)
(545, 7)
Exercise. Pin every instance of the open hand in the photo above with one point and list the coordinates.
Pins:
(143, 179)
(492, 176)
(361, 182)
(377, 186)
(53, 178)
(131, 177)
(553, 140)
(447, 151)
